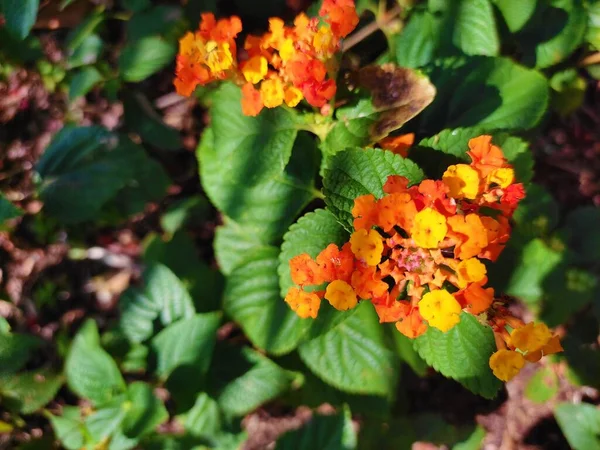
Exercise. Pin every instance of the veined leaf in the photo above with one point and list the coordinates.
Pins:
(233, 243)
(462, 354)
(353, 356)
(142, 58)
(357, 172)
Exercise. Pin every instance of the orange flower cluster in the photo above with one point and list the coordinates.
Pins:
(284, 65)
(417, 252)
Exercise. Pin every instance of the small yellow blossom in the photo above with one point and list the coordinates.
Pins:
(530, 338)
(367, 245)
(255, 69)
(506, 364)
(292, 96)
(470, 271)
(287, 50)
(272, 93)
(218, 56)
(341, 295)
(503, 177)
(440, 309)
(429, 228)
(462, 180)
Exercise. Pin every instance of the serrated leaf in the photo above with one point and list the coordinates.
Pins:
(334, 432)
(554, 31)
(462, 354)
(163, 296)
(91, 372)
(19, 16)
(357, 172)
(146, 412)
(244, 379)
(186, 342)
(353, 356)
(140, 59)
(15, 350)
(311, 234)
(8, 210)
(249, 184)
(252, 299)
(233, 243)
(27, 392)
(580, 425)
(491, 93)
(516, 13)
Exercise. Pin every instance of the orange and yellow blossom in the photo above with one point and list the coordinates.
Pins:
(287, 64)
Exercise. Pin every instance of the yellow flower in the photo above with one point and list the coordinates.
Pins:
(470, 271)
(255, 69)
(462, 180)
(305, 304)
(530, 338)
(287, 50)
(506, 364)
(293, 96)
(367, 245)
(502, 177)
(341, 295)
(429, 228)
(271, 92)
(440, 309)
(218, 56)
(323, 41)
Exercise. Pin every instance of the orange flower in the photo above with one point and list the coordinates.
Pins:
(412, 326)
(470, 234)
(341, 15)
(485, 156)
(336, 264)
(476, 299)
(398, 144)
(364, 212)
(252, 103)
(304, 304)
(367, 284)
(305, 271)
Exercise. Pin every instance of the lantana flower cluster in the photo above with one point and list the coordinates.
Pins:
(416, 253)
(284, 65)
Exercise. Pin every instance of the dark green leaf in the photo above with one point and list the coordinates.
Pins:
(516, 13)
(140, 59)
(83, 81)
(8, 210)
(408, 354)
(19, 16)
(580, 425)
(233, 243)
(584, 237)
(15, 350)
(136, 5)
(27, 392)
(335, 432)
(163, 297)
(463, 354)
(157, 20)
(87, 52)
(146, 411)
(357, 172)
(79, 35)
(353, 356)
(204, 419)
(187, 342)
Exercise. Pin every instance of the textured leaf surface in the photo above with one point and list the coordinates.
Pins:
(356, 172)
(91, 372)
(580, 425)
(311, 234)
(186, 342)
(163, 296)
(233, 243)
(353, 356)
(204, 419)
(334, 432)
(463, 354)
(252, 299)
(27, 392)
(140, 59)
(19, 16)
(146, 412)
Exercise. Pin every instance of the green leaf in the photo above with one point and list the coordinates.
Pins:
(78, 35)
(242, 161)
(244, 380)
(19, 16)
(8, 210)
(555, 30)
(142, 119)
(357, 172)
(473, 442)
(157, 20)
(408, 354)
(69, 428)
(516, 13)
(91, 372)
(87, 52)
(83, 81)
(15, 350)
(233, 243)
(186, 342)
(136, 5)
(311, 234)
(190, 211)
(418, 42)
(580, 425)
(543, 385)
(252, 299)
(204, 419)
(353, 356)
(537, 214)
(334, 432)
(536, 262)
(584, 238)
(462, 354)
(140, 59)
(491, 93)
(106, 421)
(27, 392)
(163, 297)
(475, 28)
(146, 411)
(593, 28)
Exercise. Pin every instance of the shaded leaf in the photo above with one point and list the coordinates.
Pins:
(27, 392)
(83, 81)
(15, 350)
(140, 59)
(146, 412)
(19, 16)
(8, 210)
